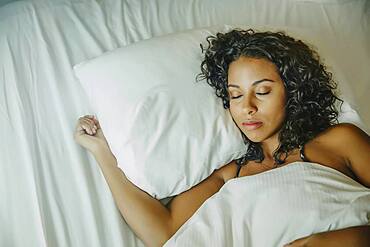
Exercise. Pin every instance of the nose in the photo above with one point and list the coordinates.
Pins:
(249, 105)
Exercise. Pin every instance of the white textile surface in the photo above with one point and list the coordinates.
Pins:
(154, 126)
(52, 191)
(277, 207)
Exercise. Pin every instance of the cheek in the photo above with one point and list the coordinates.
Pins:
(236, 116)
(276, 112)
(234, 111)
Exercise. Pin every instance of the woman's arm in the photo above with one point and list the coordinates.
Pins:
(358, 236)
(145, 215)
(354, 146)
(152, 222)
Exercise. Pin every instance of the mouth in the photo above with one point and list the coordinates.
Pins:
(252, 125)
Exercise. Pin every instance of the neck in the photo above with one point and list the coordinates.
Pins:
(269, 146)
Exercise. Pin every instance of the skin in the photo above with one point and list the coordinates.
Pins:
(264, 101)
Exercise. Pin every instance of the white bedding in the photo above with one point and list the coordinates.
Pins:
(276, 207)
(52, 191)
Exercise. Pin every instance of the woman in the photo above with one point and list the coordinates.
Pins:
(281, 98)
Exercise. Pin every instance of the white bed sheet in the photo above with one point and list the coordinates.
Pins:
(52, 191)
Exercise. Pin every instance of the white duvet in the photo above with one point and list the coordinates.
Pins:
(52, 192)
(275, 207)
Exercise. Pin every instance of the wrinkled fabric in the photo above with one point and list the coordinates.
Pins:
(52, 191)
(277, 207)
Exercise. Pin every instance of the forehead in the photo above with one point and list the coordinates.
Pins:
(244, 71)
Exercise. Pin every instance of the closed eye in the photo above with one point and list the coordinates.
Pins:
(262, 93)
(235, 97)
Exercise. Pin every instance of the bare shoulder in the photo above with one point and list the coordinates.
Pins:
(347, 130)
(353, 145)
(342, 136)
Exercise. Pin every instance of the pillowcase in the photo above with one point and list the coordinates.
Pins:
(167, 131)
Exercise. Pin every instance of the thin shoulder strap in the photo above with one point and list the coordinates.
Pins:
(301, 152)
(238, 170)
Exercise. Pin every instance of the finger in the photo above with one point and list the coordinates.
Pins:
(92, 117)
(89, 122)
(96, 121)
(88, 127)
(97, 124)
(82, 130)
(87, 117)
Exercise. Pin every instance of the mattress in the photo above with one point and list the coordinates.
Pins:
(53, 193)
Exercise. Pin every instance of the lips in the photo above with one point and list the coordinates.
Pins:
(252, 125)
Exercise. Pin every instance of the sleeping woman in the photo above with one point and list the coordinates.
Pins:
(282, 99)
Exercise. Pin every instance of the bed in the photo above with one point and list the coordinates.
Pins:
(52, 191)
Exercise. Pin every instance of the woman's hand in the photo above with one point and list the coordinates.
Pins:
(89, 134)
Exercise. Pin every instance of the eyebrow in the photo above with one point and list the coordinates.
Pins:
(253, 84)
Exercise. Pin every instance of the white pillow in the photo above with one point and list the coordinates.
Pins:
(167, 131)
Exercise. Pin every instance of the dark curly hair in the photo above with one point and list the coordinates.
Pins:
(310, 106)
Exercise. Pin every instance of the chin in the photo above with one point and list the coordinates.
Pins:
(253, 137)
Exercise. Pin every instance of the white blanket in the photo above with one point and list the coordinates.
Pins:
(52, 191)
(275, 207)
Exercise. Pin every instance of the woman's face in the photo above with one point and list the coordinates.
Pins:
(257, 98)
